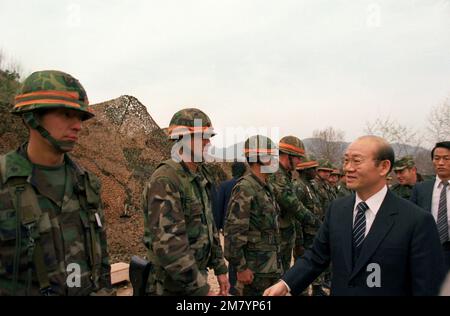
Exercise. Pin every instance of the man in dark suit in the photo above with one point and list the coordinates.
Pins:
(220, 206)
(376, 242)
(434, 195)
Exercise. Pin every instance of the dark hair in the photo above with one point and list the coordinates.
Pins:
(385, 152)
(445, 144)
(238, 169)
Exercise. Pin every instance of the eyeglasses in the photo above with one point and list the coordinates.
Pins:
(356, 161)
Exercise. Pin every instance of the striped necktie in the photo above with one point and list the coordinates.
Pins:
(442, 218)
(359, 228)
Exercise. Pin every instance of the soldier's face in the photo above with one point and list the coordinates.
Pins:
(198, 146)
(333, 179)
(406, 176)
(62, 124)
(441, 162)
(324, 175)
(363, 172)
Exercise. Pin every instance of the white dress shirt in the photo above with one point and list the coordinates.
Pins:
(437, 189)
(374, 204)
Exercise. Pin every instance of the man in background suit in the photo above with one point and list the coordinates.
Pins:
(434, 195)
(238, 169)
(377, 242)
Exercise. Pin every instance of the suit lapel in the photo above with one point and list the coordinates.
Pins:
(429, 195)
(347, 218)
(381, 226)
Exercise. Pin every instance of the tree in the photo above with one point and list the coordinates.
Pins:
(439, 122)
(328, 144)
(405, 140)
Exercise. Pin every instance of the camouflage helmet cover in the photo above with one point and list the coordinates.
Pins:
(404, 162)
(259, 145)
(51, 89)
(190, 121)
(337, 172)
(307, 164)
(292, 145)
(325, 165)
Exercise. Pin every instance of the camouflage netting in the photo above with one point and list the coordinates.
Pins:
(123, 145)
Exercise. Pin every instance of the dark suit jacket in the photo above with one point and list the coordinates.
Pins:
(403, 241)
(422, 194)
(223, 194)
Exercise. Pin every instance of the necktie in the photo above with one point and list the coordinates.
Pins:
(442, 218)
(359, 228)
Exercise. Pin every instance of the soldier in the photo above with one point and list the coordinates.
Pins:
(179, 231)
(407, 176)
(52, 226)
(291, 151)
(334, 178)
(252, 235)
(326, 193)
(307, 193)
(342, 189)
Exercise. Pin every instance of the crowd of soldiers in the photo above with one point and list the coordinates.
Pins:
(51, 212)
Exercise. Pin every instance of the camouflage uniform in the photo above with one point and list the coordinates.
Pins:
(404, 190)
(292, 209)
(307, 194)
(252, 235)
(179, 231)
(342, 190)
(46, 226)
(323, 188)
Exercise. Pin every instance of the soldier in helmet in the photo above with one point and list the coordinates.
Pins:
(291, 152)
(342, 189)
(333, 180)
(252, 235)
(326, 193)
(308, 194)
(407, 176)
(52, 226)
(179, 229)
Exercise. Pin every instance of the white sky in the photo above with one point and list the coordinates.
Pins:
(296, 65)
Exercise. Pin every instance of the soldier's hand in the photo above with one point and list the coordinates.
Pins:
(245, 277)
(210, 293)
(224, 284)
(278, 289)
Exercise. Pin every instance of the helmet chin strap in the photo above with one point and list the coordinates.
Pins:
(59, 145)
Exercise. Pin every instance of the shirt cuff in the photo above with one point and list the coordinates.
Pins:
(285, 284)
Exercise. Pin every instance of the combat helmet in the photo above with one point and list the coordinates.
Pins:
(50, 89)
(258, 146)
(325, 165)
(190, 121)
(292, 145)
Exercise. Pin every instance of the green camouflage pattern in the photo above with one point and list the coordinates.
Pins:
(342, 190)
(291, 209)
(179, 230)
(57, 81)
(404, 162)
(325, 165)
(63, 228)
(293, 141)
(325, 193)
(259, 142)
(307, 194)
(403, 191)
(252, 235)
